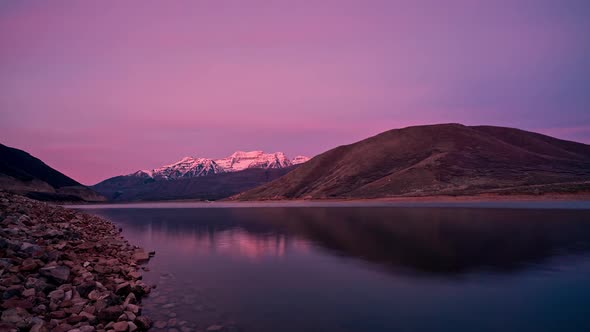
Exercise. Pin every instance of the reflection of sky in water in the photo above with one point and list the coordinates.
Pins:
(240, 243)
(358, 269)
(229, 242)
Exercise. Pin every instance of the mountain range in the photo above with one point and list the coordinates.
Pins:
(24, 174)
(419, 161)
(190, 167)
(200, 178)
(445, 159)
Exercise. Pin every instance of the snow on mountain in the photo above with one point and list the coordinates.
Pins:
(189, 167)
(299, 160)
(144, 173)
(241, 160)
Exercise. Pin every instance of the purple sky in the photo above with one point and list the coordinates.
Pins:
(97, 89)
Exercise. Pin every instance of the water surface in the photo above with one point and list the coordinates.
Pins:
(365, 268)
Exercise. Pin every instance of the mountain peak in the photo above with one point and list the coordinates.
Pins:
(241, 154)
(299, 160)
(240, 160)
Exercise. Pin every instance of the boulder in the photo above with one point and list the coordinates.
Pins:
(88, 316)
(57, 295)
(28, 292)
(87, 328)
(132, 327)
(31, 249)
(18, 303)
(8, 327)
(133, 308)
(59, 314)
(29, 265)
(121, 326)
(86, 287)
(19, 317)
(12, 292)
(39, 327)
(143, 322)
(123, 288)
(110, 314)
(141, 257)
(59, 274)
(130, 299)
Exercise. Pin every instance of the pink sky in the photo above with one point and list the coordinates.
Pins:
(98, 89)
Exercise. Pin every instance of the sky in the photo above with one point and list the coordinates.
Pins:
(102, 88)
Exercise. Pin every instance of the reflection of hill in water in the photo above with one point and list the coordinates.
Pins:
(428, 240)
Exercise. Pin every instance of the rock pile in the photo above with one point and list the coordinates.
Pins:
(62, 270)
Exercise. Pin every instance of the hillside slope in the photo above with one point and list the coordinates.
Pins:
(24, 174)
(445, 159)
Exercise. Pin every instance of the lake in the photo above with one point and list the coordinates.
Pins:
(355, 267)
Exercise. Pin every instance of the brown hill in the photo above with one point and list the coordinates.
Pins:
(445, 159)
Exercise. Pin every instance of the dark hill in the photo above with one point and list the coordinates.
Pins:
(24, 174)
(210, 187)
(445, 159)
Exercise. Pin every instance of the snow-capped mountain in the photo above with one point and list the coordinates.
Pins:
(189, 167)
(299, 160)
(241, 160)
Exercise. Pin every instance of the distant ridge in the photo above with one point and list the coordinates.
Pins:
(445, 159)
(24, 174)
(190, 167)
(212, 187)
(200, 178)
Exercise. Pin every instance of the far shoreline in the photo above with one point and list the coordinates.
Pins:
(401, 201)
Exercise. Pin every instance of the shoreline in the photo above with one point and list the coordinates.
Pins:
(63, 270)
(482, 198)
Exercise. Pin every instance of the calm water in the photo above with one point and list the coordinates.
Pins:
(377, 268)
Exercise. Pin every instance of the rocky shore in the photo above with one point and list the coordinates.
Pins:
(63, 270)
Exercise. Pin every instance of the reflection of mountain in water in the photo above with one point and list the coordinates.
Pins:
(429, 240)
